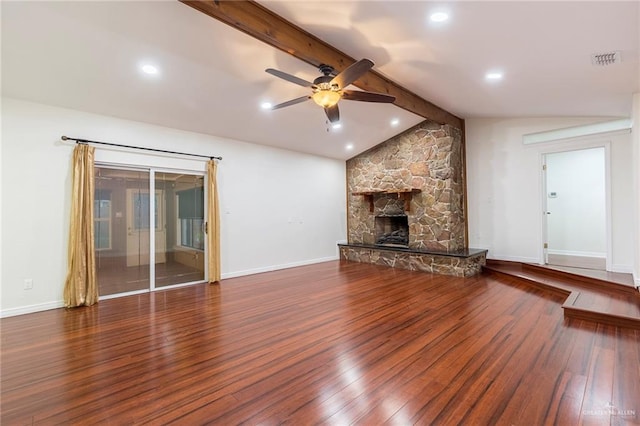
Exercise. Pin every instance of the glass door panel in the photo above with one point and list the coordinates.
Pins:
(179, 236)
(125, 231)
(121, 224)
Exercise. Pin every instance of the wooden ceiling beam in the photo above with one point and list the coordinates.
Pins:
(268, 27)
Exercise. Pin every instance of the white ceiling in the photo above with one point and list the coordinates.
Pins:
(85, 56)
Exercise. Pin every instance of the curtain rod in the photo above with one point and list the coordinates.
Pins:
(86, 141)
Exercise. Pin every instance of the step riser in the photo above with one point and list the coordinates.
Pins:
(538, 284)
(528, 275)
(601, 318)
(594, 283)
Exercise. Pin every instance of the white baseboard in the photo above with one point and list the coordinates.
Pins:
(622, 269)
(521, 259)
(277, 267)
(11, 312)
(577, 253)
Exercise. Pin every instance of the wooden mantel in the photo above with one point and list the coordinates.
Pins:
(406, 195)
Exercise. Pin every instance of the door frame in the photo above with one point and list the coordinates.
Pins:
(578, 145)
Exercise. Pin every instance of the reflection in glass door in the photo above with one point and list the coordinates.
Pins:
(122, 248)
(183, 223)
(124, 217)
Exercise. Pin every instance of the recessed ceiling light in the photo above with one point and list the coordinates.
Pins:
(336, 126)
(439, 17)
(149, 69)
(493, 76)
(266, 105)
(349, 147)
(395, 122)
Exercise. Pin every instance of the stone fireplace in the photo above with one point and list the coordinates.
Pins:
(417, 173)
(406, 203)
(392, 231)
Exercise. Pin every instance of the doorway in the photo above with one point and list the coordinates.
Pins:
(575, 199)
(129, 222)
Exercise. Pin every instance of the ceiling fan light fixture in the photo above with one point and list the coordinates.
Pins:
(327, 90)
(326, 98)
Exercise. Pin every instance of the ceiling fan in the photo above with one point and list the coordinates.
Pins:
(328, 90)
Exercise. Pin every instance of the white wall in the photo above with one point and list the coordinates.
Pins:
(504, 187)
(278, 208)
(577, 223)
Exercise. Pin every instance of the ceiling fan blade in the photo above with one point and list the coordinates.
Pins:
(291, 102)
(290, 78)
(356, 95)
(352, 73)
(333, 113)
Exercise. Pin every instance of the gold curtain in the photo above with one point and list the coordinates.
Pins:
(80, 287)
(213, 224)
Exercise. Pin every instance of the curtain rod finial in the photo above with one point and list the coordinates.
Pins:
(64, 138)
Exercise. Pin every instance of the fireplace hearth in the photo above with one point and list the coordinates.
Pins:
(392, 230)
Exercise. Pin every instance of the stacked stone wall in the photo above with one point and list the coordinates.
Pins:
(427, 157)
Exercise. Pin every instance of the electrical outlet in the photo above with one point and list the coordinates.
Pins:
(28, 284)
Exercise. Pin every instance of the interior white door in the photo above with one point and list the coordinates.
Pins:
(576, 208)
(138, 227)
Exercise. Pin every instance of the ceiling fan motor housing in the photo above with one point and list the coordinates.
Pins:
(323, 80)
(327, 70)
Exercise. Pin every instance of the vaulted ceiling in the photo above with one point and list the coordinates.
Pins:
(211, 79)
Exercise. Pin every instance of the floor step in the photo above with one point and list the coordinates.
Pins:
(588, 298)
(597, 284)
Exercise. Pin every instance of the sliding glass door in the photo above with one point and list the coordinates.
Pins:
(121, 224)
(183, 216)
(137, 209)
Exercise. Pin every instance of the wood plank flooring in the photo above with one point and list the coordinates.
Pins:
(332, 343)
(587, 297)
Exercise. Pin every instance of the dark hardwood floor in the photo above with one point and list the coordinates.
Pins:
(588, 297)
(331, 343)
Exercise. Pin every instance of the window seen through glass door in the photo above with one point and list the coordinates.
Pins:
(182, 209)
(102, 219)
(121, 242)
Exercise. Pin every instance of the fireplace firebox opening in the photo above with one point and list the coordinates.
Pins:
(392, 230)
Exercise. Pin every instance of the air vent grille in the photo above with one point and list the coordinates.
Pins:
(607, 58)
